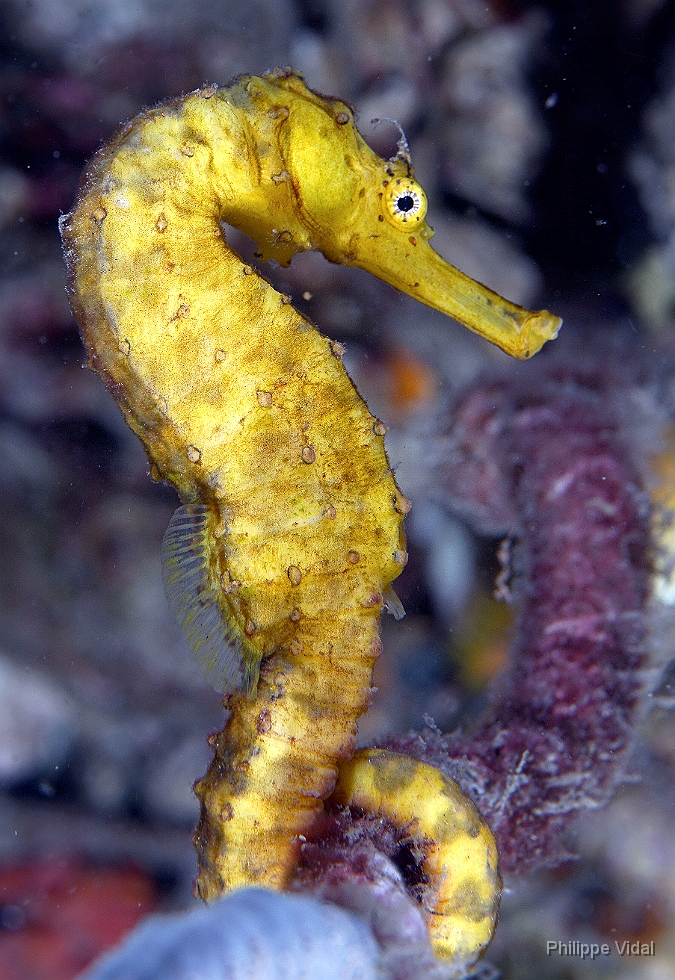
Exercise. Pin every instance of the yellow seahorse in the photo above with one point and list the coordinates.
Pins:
(281, 557)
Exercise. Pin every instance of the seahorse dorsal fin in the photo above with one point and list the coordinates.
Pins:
(228, 660)
(392, 603)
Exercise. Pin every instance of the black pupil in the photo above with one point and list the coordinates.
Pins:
(406, 203)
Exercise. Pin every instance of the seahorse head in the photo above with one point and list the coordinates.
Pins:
(361, 210)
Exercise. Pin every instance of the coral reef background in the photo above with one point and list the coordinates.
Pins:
(543, 136)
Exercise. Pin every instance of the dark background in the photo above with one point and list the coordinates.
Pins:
(543, 134)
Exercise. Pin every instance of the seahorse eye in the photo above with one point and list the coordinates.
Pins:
(405, 203)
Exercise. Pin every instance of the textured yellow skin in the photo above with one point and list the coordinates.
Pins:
(246, 409)
(462, 895)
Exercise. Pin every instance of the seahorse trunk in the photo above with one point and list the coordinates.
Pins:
(262, 794)
(292, 531)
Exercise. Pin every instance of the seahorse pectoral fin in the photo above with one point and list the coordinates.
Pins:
(229, 661)
(410, 264)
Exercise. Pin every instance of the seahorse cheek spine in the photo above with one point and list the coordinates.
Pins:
(243, 407)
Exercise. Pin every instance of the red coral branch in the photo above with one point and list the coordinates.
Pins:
(548, 465)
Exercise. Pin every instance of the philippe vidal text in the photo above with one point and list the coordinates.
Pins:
(592, 950)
